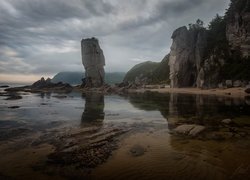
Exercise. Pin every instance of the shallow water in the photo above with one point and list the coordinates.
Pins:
(147, 148)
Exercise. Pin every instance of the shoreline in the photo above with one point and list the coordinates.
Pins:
(229, 92)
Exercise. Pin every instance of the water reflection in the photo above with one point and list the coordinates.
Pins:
(200, 109)
(46, 95)
(94, 108)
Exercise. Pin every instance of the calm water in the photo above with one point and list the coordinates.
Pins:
(28, 133)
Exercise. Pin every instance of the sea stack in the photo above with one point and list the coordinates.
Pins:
(93, 61)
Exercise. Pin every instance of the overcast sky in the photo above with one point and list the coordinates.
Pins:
(42, 37)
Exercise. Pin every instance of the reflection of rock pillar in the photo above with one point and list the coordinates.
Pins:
(172, 111)
(93, 61)
(94, 108)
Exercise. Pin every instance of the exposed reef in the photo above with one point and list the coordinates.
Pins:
(43, 85)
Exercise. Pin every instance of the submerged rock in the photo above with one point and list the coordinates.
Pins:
(137, 150)
(189, 129)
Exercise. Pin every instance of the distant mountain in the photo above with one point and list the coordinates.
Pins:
(144, 69)
(74, 78)
(68, 77)
(114, 77)
(149, 72)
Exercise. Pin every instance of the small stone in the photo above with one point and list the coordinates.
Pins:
(226, 121)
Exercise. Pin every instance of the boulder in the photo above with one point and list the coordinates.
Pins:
(226, 121)
(196, 130)
(221, 86)
(229, 83)
(93, 61)
(237, 83)
(189, 129)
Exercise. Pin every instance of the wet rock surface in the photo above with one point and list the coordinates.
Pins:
(189, 129)
(225, 130)
(83, 149)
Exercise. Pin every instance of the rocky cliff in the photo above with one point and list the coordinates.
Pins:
(93, 61)
(238, 27)
(206, 57)
(186, 54)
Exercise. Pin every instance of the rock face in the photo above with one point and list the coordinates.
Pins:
(238, 27)
(93, 61)
(204, 58)
(186, 54)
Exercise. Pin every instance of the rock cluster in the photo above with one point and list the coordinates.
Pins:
(43, 85)
(93, 61)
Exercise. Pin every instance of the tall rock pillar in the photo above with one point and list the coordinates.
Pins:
(93, 61)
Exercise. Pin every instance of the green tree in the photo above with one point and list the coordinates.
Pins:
(198, 25)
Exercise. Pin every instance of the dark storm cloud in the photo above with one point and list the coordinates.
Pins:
(43, 36)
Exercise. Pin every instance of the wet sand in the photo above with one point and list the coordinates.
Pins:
(168, 157)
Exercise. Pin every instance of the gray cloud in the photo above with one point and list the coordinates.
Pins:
(43, 36)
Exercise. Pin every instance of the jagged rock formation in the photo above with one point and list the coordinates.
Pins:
(43, 85)
(93, 61)
(238, 27)
(186, 54)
